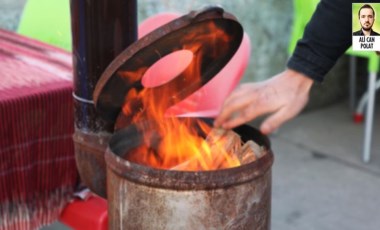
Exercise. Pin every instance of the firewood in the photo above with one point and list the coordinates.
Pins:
(250, 152)
(228, 140)
(246, 154)
(257, 149)
(221, 140)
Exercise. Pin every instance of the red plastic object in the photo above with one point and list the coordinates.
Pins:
(358, 118)
(155, 21)
(86, 214)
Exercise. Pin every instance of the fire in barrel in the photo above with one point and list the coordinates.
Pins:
(166, 172)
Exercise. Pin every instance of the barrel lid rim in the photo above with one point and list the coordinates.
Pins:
(109, 94)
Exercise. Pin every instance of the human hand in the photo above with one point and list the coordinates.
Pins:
(284, 96)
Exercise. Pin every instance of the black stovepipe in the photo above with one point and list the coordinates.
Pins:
(101, 29)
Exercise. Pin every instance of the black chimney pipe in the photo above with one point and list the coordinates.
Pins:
(101, 29)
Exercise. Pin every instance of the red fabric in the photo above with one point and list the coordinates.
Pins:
(37, 164)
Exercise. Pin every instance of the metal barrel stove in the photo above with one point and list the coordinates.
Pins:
(141, 197)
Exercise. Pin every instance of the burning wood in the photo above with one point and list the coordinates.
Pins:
(221, 138)
(231, 143)
(249, 152)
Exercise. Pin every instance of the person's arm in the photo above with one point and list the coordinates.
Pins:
(325, 39)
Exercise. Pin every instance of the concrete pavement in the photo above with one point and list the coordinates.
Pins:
(319, 180)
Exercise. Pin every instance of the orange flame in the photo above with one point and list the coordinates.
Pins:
(172, 141)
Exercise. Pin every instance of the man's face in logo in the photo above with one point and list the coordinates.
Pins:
(366, 18)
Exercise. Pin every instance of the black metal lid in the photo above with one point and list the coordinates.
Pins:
(219, 34)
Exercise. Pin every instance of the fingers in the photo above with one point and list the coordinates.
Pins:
(284, 95)
(245, 105)
(246, 114)
(273, 122)
(235, 103)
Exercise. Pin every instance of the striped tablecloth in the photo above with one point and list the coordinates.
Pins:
(37, 165)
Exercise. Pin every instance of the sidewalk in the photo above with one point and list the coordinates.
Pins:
(319, 179)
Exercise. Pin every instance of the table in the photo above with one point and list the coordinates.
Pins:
(37, 164)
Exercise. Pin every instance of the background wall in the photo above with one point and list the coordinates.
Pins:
(268, 23)
(10, 12)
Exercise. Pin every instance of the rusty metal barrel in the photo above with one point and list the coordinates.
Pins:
(141, 197)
